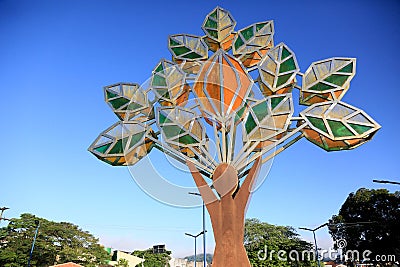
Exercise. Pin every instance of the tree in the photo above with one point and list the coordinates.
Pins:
(122, 263)
(56, 243)
(153, 259)
(369, 220)
(207, 113)
(263, 241)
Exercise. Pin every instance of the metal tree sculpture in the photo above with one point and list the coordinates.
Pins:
(200, 98)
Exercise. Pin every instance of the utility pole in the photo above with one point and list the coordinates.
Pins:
(33, 243)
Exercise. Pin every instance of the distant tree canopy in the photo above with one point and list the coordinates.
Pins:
(153, 259)
(369, 220)
(122, 263)
(56, 243)
(264, 237)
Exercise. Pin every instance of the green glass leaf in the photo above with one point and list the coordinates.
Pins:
(247, 33)
(347, 69)
(172, 42)
(336, 71)
(159, 68)
(136, 138)
(133, 106)
(213, 33)
(261, 110)
(321, 87)
(339, 129)
(283, 79)
(214, 14)
(285, 53)
(192, 55)
(163, 119)
(172, 131)
(185, 46)
(239, 113)
(111, 95)
(337, 79)
(117, 148)
(250, 124)
(239, 42)
(211, 24)
(187, 139)
(287, 65)
(163, 92)
(318, 123)
(275, 101)
(103, 148)
(260, 26)
(119, 102)
(158, 81)
(180, 50)
(360, 129)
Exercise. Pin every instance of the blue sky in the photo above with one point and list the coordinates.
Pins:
(55, 57)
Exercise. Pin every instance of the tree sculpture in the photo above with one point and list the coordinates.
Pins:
(204, 103)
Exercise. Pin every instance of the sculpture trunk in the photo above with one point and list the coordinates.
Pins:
(227, 211)
(228, 226)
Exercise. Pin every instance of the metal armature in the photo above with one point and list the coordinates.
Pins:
(205, 110)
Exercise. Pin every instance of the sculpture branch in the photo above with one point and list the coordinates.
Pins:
(244, 161)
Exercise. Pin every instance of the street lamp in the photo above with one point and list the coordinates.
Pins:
(315, 240)
(195, 238)
(2, 209)
(33, 243)
(204, 230)
(385, 182)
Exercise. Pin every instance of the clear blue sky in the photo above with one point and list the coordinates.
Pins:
(55, 57)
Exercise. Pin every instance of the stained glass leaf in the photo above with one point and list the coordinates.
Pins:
(278, 70)
(187, 47)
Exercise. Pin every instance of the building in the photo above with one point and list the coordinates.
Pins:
(198, 264)
(176, 262)
(132, 260)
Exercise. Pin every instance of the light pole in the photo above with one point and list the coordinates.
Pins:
(315, 240)
(385, 182)
(204, 230)
(33, 243)
(2, 209)
(195, 238)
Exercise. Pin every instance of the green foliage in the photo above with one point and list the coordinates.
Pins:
(153, 259)
(368, 220)
(56, 243)
(261, 236)
(200, 257)
(122, 263)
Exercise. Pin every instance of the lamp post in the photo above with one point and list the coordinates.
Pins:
(315, 240)
(2, 209)
(34, 240)
(195, 238)
(204, 230)
(385, 182)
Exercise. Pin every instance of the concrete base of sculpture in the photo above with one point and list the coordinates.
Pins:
(227, 211)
